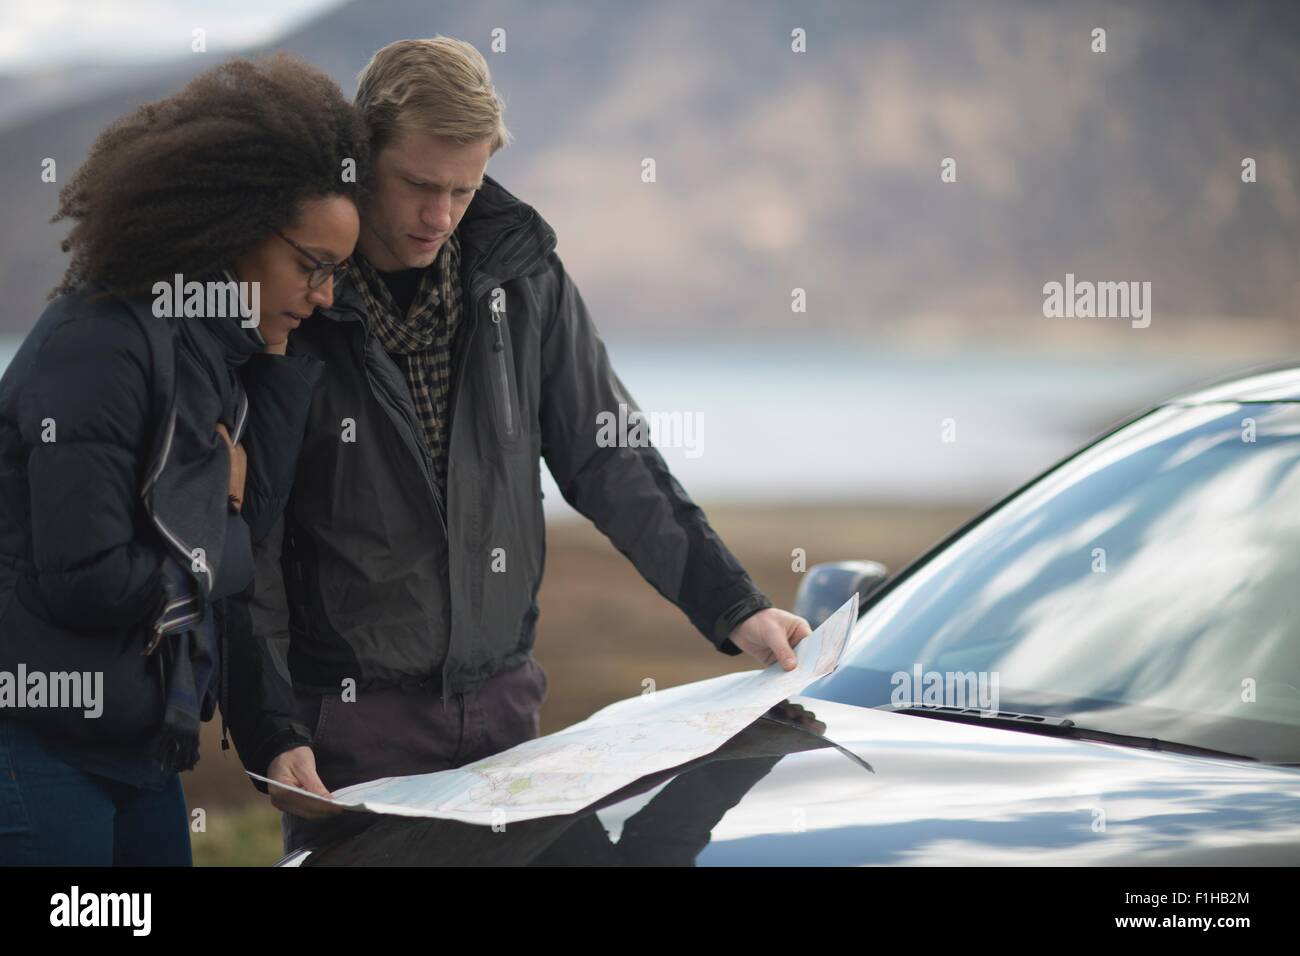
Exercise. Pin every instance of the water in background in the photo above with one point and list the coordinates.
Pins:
(830, 420)
(827, 421)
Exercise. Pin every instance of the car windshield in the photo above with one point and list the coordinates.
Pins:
(1150, 586)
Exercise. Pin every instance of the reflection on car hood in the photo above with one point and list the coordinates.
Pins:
(956, 794)
(914, 791)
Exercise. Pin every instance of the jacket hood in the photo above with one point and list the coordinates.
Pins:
(502, 235)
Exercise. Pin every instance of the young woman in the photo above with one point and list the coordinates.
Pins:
(147, 439)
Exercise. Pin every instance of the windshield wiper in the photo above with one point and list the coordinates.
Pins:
(1056, 727)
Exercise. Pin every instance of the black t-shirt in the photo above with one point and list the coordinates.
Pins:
(402, 286)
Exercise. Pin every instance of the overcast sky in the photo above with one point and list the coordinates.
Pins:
(50, 33)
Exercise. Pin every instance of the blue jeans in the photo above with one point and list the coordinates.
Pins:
(55, 814)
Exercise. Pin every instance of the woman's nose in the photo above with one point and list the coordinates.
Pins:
(323, 295)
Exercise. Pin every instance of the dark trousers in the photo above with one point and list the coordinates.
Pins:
(395, 732)
(55, 814)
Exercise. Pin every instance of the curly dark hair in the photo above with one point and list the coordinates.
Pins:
(191, 181)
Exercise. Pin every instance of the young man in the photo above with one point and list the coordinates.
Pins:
(457, 353)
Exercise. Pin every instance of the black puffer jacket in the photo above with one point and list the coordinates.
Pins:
(136, 470)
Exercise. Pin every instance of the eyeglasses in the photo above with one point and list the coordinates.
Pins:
(323, 268)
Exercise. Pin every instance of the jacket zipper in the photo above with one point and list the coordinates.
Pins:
(242, 418)
(455, 403)
(223, 688)
(499, 347)
(223, 693)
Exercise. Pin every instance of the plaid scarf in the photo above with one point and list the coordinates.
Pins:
(421, 341)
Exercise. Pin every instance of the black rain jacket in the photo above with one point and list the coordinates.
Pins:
(374, 577)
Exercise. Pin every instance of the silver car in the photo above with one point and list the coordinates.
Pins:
(1103, 668)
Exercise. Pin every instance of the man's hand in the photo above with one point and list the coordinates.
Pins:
(771, 635)
(297, 768)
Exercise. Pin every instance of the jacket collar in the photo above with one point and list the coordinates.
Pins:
(501, 235)
(501, 238)
(236, 343)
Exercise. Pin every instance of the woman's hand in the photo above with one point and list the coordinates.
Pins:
(238, 468)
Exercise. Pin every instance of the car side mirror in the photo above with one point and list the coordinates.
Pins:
(826, 586)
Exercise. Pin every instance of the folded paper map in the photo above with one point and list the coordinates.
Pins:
(566, 771)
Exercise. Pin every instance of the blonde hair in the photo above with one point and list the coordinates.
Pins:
(440, 86)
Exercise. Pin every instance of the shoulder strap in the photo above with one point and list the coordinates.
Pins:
(160, 332)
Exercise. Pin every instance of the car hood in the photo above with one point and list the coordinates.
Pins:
(862, 786)
(957, 794)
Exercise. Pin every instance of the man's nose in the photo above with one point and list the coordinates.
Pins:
(437, 214)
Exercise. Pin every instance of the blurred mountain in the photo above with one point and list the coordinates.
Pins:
(820, 170)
